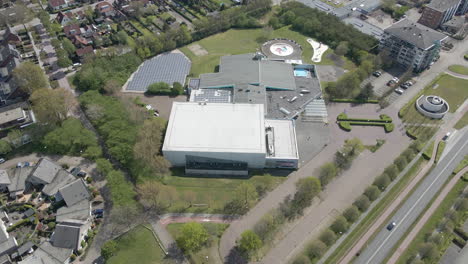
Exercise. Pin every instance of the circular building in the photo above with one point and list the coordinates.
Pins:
(432, 106)
(282, 49)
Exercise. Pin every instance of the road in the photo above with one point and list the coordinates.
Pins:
(427, 215)
(385, 240)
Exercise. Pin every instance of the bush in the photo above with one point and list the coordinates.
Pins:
(389, 127)
(328, 237)
(382, 181)
(362, 203)
(385, 117)
(392, 172)
(465, 56)
(351, 214)
(355, 101)
(342, 116)
(340, 225)
(409, 154)
(89, 180)
(51, 225)
(316, 249)
(249, 243)
(108, 249)
(401, 162)
(302, 259)
(346, 126)
(428, 251)
(159, 88)
(372, 192)
(327, 172)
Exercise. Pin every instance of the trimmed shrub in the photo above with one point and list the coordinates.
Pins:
(382, 181)
(411, 134)
(392, 172)
(372, 192)
(356, 101)
(351, 214)
(340, 225)
(328, 237)
(346, 126)
(385, 117)
(316, 249)
(401, 162)
(362, 203)
(302, 259)
(389, 127)
(342, 116)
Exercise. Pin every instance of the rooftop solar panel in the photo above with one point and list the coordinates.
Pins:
(168, 68)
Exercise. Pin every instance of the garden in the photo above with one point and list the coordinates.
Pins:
(346, 122)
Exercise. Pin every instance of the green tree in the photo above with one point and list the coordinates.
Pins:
(68, 47)
(401, 162)
(316, 249)
(428, 251)
(302, 259)
(246, 194)
(362, 203)
(5, 147)
(29, 77)
(177, 89)
(342, 48)
(159, 88)
(192, 237)
(382, 181)
(63, 61)
(367, 92)
(108, 249)
(391, 171)
(327, 172)
(249, 243)
(328, 237)
(372, 192)
(340, 225)
(351, 214)
(52, 106)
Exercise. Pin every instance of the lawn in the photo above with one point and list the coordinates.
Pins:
(210, 194)
(237, 41)
(138, 244)
(462, 122)
(211, 249)
(452, 89)
(433, 221)
(376, 211)
(460, 69)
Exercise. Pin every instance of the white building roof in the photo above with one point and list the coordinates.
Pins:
(216, 127)
(284, 137)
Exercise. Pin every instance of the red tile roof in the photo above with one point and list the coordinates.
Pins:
(84, 51)
(72, 30)
(56, 3)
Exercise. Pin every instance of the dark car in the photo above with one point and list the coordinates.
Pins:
(81, 174)
(404, 86)
(391, 83)
(377, 73)
(75, 171)
(391, 226)
(98, 211)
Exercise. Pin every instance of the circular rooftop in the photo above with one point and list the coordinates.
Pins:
(432, 106)
(282, 49)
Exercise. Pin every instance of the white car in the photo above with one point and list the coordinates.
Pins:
(398, 91)
(148, 107)
(2, 160)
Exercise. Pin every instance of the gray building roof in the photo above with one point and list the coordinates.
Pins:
(48, 254)
(365, 27)
(46, 170)
(80, 211)
(442, 5)
(8, 245)
(74, 192)
(168, 68)
(66, 236)
(414, 33)
(61, 179)
(25, 247)
(243, 69)
(4, 178)
(18, 178)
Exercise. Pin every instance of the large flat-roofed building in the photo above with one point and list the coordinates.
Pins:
(227, 139)
(437, 12)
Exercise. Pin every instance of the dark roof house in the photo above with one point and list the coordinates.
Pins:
(74, 192)
(72, 30)
(415, 34)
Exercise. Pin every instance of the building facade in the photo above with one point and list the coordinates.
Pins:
(437, 12)
(463, 7)
(412, 45)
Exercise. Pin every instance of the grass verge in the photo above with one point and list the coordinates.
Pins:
(215, 231)
(440, 150)
(428, 153)
(362, 227)
(460, 69)
(462, 122)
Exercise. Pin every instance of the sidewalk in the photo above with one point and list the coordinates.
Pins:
(419, 225)
(396, 203)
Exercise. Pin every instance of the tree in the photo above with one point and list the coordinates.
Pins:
(63, 61)
(5, 147)
(29, 77)
(401, 162)
(52, 106)
(159, 88)
(372, 192)
(351, 214)
(68, 47)
(366, 92)
(327, 172)
(342, 48)
(340, 225)
(177, 89)
(108, 249)
(302, 259)
(408, 154)
(316, 249)
(428, 251)
(192, 237)
(288, 17)
(249, 243)
(382, 181)
(362, 203)
(246, 194)
(391, 171)
(155, 196)
(328, 237)
(306, 190)
(15, 137)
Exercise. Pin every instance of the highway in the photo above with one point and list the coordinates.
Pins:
(382, 245)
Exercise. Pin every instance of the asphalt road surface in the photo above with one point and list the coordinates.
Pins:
(385, 241)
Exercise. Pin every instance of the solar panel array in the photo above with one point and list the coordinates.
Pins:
(168, 68)
(211, 96)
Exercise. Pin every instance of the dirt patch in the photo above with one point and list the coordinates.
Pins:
(197, 50)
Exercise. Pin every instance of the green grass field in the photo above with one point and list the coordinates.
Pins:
(138, 244)
(433, 221)
(460, 69)
(210, 193)
(239, 41)
(211, 249)
(462, 122)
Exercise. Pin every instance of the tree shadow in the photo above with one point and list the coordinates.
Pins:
(235, 257)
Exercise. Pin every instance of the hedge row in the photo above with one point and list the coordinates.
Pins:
(346, 125)
(355, 101)
(427, 154)
(383, 119)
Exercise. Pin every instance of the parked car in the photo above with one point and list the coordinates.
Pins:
(26, 164)
(395, 79)
(447, 136)
(410, 83)
(391, 226)
(81, 174)
(399, 91)
(391, 83)
(377, 73)
(75, 171)
(404, 86)
(98, 211)
(2, 160)
(19, 165)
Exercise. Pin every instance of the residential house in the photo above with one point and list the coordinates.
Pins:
(11, 37)
(44, 172)
(437, 12)
(4, 180)
(19, 115)
(9, 59)
(69, 234)
(62, 178)
(56, 5)
(105, 9)
(71, 30)
(47, 253)
(23, 249)
(412, 45)
(127, 6)
(82, 53)
(80, 41)
(80, 211)
(74, 192)
(8, 243)
(65, 18)
(18, 177)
